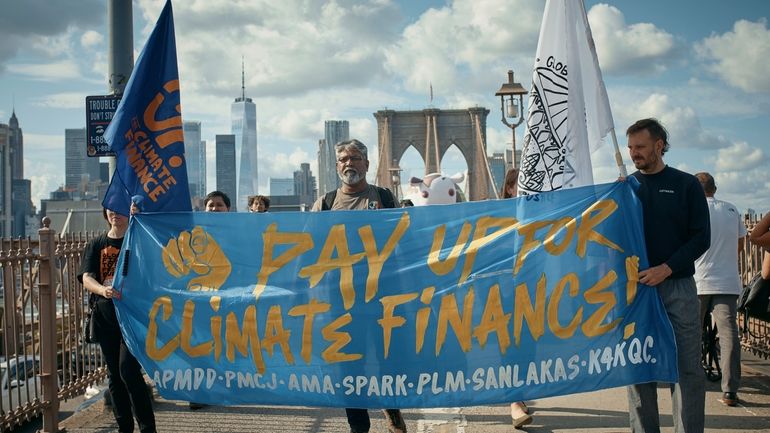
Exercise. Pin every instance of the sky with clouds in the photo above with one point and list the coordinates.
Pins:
(698, 65)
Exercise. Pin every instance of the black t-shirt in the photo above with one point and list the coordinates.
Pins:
(676, 219)
(100, 259)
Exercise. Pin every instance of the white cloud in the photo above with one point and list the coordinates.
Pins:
(636, 49)
(280, 165)
(44, 182)
(91, 39)
(62, 100)
(54, 71)
(24, 25)
(739, 157)
(741, 188)
(738, 167)
(739, 57)
(295, 124)
(682, 122)
(365, 130)
(465, 42)
(41, 145)
(289, 47)
(43, 163)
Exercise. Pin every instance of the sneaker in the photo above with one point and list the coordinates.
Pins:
(395, 421)
(523, 406)
(729, 399)
(196, 406)
(521, 421)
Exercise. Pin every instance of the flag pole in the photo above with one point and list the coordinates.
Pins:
(618, 157)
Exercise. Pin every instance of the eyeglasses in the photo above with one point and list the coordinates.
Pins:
(344, 159)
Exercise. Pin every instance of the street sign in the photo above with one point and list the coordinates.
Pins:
(99, 112)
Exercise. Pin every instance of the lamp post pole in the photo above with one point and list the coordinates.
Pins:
(513, 142)
(395, 179)
(120, 57)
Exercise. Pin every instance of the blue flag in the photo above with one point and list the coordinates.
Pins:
(146, 132)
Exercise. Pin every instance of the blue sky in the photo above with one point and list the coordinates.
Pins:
(699, 66)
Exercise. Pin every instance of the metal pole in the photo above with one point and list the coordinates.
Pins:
(618, 158)
(513, 140)
(48, 373)
(120, 57)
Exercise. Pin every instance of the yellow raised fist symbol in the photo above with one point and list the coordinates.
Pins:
(197, 251)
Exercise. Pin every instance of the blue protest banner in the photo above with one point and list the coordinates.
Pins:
(455, 305)
(146, 132)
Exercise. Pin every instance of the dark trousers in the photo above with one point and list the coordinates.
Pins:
(358, 420)
(680, 299)
(129, 393)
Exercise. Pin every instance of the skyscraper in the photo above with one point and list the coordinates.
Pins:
(281, 186)
(323, 159)
(243, 114)
(6, 214)
(79, 169)
(16, 191)
(195, 153)
(225, 156)
(21, 205)
(16, 141)
(497, 167)
(304, 184)
(334, 132)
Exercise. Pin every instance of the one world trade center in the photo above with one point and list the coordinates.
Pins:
(243, 114)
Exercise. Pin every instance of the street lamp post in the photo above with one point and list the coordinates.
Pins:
(395, 179)
(511, 107)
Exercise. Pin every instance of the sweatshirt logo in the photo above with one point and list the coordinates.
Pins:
(667, 191)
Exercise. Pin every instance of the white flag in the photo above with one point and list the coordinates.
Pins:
(569, 113)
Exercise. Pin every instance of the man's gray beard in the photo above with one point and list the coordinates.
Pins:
(350, 177)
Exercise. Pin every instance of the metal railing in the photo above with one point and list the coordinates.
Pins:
(756, 337)
(44, 359)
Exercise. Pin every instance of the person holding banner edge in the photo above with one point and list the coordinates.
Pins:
(676, 232)
(357, 193)
(126, 385)
(519, 411)
(760, 235)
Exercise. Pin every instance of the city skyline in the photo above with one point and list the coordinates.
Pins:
(702, 80)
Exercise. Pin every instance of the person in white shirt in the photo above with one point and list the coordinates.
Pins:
(719, 285)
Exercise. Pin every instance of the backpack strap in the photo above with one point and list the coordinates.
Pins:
(328, 200)
(386, 198)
